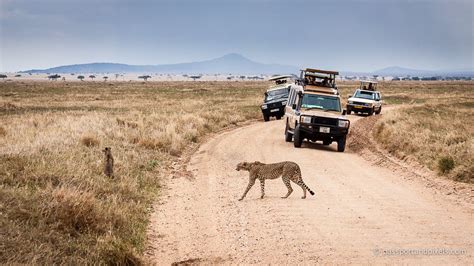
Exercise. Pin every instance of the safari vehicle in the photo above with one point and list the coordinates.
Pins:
(314, 110)
(276, 97)
(366, 99)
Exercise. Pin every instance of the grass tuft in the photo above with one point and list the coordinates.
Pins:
(445, 164)
(3, 131)
(89, 141)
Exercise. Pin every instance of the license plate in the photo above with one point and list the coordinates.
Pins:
(274, 110)
(358, 107)
(324, 129)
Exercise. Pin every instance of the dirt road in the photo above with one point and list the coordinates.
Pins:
(361, 213)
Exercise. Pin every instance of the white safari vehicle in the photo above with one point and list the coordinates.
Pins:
(314, 111)
(366, 99)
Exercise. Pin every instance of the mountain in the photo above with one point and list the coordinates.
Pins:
(230, 63)
(235, 64)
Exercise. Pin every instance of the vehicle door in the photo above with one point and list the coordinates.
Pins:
(289, 112)
(379, 99)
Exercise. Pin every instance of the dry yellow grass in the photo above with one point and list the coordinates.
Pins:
(56, 206)
(436, 135)
(434, 128)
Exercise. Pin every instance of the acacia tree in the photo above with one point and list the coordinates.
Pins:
(3, 76)
(116, 76)
(195, 77)
(144, 77)
(105, 78)
(81, 77)
(54, 77)
(92, 77)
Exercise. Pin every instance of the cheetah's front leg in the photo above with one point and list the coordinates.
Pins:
(249, 186)
(262, 188)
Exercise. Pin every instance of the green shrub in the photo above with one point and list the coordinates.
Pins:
(445, 164)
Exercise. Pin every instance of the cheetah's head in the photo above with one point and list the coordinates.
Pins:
(246, 165)
(243, 166)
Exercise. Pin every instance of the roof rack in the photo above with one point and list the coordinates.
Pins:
(313, 70)
(280, 77)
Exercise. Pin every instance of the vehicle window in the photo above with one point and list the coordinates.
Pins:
(276, 94)
(327, 103)
(365, 95)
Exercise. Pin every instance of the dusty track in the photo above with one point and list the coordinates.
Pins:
(358, 211)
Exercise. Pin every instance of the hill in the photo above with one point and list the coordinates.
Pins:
(230, 63)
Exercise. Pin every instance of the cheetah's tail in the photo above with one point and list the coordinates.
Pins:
(307, 188)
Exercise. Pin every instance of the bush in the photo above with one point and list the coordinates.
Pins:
(445, 164)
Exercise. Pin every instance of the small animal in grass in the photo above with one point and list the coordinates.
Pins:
(108, 162)
(289, 171)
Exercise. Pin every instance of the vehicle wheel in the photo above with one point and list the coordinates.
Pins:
(327, 142)
(297, 138)
(379, 111)
(288, 135)
(371, 112)
(266, 118)
(348, 111)
(278, 117)
(341, 144)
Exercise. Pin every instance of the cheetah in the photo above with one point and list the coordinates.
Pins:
(108, 162)
(287, 170)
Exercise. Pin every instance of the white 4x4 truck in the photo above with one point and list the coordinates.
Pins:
(366, 99)
(314, 111)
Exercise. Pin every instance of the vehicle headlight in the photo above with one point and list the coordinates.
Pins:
(264, 106)
(305, 119)
(283, 103)
(369, 104)
(343, 123)
(351, 102)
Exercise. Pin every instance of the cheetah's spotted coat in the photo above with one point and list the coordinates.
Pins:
(289, 171)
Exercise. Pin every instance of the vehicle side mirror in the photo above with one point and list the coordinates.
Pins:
(266, 93)
(293, 106)
(344, 112)
(349, 96)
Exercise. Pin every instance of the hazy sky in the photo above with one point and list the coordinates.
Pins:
(336, 34)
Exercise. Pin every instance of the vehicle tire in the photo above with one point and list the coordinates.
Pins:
(341, 144)
(278, 117)
(297, 138)
(266, 118)
(371, 112)
(288, 135)
(379, 110)
(348, 111)
(327, 142)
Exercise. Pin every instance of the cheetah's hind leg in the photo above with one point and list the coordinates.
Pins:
(286, 180)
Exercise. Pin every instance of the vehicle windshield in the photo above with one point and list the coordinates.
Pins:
(327, 103)
(276, 94)
(365, 95)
